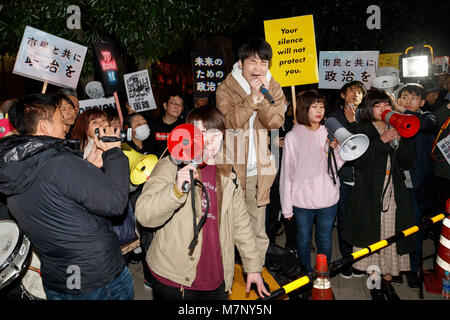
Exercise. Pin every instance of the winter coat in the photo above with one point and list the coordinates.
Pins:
(159, 207)
(237, 106)
(363, 216)
(304, 179)
(63, 204)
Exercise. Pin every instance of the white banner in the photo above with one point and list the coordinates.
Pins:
(45, 57)
(139, 91)
(336, 68)
(97, 103)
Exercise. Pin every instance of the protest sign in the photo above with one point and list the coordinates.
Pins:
(107, 63)
(208, 71)
(337, 68)
(441, 65)
(387, 60)
(97, 103)
(45, 57)
(139, 91)
(294, 60)
(444, 146)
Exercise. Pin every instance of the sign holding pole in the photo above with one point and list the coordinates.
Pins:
(294, 59)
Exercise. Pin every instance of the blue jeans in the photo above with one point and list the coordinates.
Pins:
(119, 289)
(324, 227)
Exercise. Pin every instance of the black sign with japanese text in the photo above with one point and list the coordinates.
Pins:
(107, 64)
(208, 71)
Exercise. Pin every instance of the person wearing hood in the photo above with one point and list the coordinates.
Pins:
(64, 203)
(249, 117)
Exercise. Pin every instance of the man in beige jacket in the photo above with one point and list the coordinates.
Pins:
(249, 118)
(205, 271)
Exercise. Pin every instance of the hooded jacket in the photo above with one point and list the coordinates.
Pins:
(63, 204)
(241, 114)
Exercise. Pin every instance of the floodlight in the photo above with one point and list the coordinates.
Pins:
(415, 66)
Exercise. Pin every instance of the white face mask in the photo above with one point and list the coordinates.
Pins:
(142, 132)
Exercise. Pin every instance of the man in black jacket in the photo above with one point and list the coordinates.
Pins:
(63, 203)
(352, 95)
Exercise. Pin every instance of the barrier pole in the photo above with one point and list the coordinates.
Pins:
(296, 284)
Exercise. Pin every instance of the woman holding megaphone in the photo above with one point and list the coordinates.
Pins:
(306, 189)
(380, 205)
(204, 269)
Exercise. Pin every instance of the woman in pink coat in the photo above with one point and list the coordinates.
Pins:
(306, 189)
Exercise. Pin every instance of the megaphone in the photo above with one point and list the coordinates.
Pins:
(353, 146)
(185, 144)
(407, 125)
(140, 165)
(386, 83)
(5, 127)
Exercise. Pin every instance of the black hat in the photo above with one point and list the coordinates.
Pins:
(431, 86)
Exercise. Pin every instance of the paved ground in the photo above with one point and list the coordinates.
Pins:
(343, 289)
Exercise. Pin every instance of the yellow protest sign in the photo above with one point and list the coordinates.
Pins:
(388, 60)
(293, 43)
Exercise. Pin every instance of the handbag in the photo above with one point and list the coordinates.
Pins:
(124, 225)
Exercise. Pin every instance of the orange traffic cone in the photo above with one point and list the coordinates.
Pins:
(322, 286)
(433, 281)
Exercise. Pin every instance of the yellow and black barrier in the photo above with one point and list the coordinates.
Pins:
(296, 284)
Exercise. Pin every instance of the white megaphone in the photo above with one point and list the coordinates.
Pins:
(353, 146)
(386, 83)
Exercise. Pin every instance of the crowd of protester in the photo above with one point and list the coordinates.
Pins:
(64, 186)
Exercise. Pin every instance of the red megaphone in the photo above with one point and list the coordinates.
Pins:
(406, 125)
(185, 143)
(5, 127)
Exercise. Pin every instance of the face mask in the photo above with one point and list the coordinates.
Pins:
(142, 132)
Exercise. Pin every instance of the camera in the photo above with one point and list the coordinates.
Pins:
(122, 136)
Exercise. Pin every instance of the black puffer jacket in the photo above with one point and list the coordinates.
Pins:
(63, 203)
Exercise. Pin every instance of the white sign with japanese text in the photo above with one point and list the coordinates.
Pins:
(337, 68)
(45, 57)
(444, 146)
(97, 103)
(139, 91)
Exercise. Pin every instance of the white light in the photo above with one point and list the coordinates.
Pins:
(415, 66)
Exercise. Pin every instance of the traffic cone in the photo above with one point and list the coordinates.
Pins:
(433, 281)
(322, 286)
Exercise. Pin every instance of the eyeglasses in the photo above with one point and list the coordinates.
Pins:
(176, 104)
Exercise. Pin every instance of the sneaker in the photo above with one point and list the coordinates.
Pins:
(397, 280)
(413, 280)
(148, 286)
(346, 273)
(357, 273)
(377, 295)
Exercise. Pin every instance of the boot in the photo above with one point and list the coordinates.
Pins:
(388, 290)
(377, 295)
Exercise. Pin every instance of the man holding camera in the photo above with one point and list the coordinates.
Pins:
(63, 203)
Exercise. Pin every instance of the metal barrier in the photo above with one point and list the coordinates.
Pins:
(310, 277)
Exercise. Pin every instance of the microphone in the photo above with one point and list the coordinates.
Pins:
(266, 94)
(186, 185)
